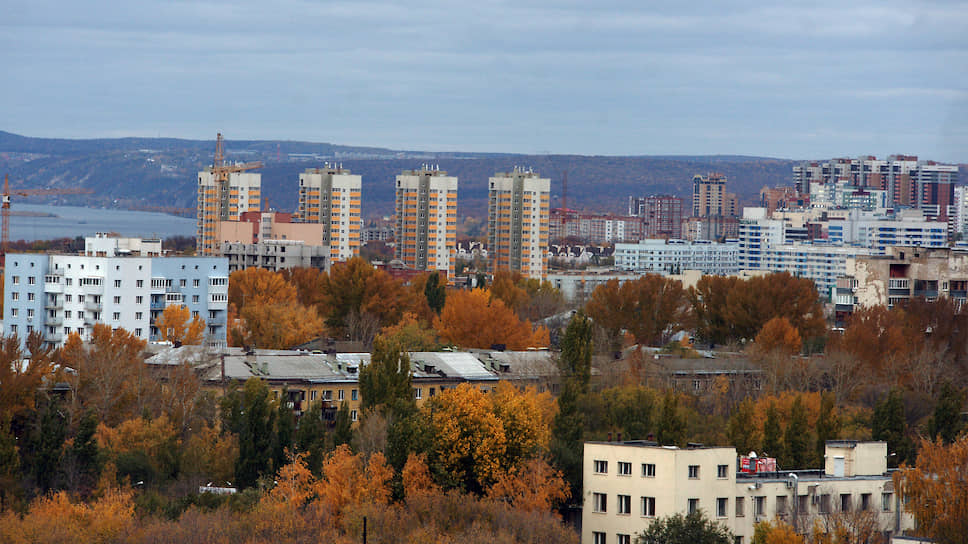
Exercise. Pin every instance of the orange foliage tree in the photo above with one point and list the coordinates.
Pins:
(109, 374)
(533, 487)
(472, 319)
(269, 314)
(936, 490)
(356, 288)
(778, 336)
(411, 334)
(19, 381)
(650, 307)
(174, 325)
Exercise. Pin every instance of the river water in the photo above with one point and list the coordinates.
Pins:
(71, 221)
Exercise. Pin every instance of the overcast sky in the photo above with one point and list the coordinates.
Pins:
(808, 80)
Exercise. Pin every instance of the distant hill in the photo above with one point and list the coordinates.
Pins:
(126, 172)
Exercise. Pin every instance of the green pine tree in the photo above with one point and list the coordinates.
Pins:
(285, 429)
(343, 431)
(45, 447)
(693, 528)
(828, 427)
(574, 364)
(84, 453)
(795, 439)
(671, 430)
(385, 381)
(741, 429)
(310, 437)
(435, 292)
(253, 419)
(772, 440)
(946, 419)
(9, 462)
(889, 424)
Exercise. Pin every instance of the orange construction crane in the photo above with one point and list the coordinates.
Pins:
(220, 172)
(5, 208)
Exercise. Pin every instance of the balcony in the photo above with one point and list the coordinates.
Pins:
(54, 337)
(93, 287)
(93, 305)
(90, 320)
(55, 321)
(54, 304)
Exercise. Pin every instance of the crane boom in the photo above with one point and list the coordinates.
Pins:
(5, 208)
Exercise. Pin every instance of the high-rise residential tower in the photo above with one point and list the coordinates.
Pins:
(227, 201)
(517, 222)
(426, 207)
(709, 196)
(331, 196)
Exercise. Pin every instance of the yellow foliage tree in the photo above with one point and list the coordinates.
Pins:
(276, 326)
(936, 490)
(526, 417)
(776, 532)
(779, 336)
(157, 438)
(411, 334)
(174, 325)
(472, 319)
(18, 381)
(416, 477)
(257, 287)
(349, 482)
(55, 518)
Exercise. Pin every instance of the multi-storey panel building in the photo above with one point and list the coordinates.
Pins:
(628, 485)
(517, 230)
(426, 206)
(676, 256)
(58, 295)
(331, 196)
(223, 202)
(709, 197)
(661, 214)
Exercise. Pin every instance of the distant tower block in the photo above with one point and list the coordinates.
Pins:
(332, 196)
(426, 206)
(518, 222)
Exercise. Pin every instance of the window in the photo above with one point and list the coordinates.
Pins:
(353, 415)
(116, 316)
(601, 467)
(15, 296)
(759, 506)
(417, 393)
(80, 314)
(737, 540)
(195, 282)
(117, 283)
(137, 332)
(139, 300)
(623, 539)
(339, 394)
(195, 313)
(80, 298)
(624, 469)
(139, 315)
(312, 395)
(68, 298)
(740, 506)
(693, 472)
(67, 314)
(183, 283)
(625, 504)
(886, 501)
(781, 505)
(139, 283)
(693, 506)
(117, 300)
(824, 503)
(648, 470)
(721, 504)
(722, 471)
(30, 296)
(599, 503)
(31, 280)
(13, 312)
(354, 395)
(327, 395)
(648, 507)
(845, 502)
(68, 281)
(865, 501)
(16, 280)
(194, 299)
(598, 537)
(13, 329)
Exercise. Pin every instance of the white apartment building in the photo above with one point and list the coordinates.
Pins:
(105, 244)
(59, 295)
(756, 233)
(676, 256)
(331, 196)
(821, 262)
(627, 485)
(426, 206)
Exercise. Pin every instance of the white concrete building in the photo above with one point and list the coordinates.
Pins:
(627, 485)
(59, 295)
(426, 206)
(105, 244)
(518, 222)
(676, 256)
(331, 196)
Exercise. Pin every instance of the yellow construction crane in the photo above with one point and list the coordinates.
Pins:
(220, 174)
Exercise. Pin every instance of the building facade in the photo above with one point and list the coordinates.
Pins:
(627, 485)
(517, 222)
(223, 202)
(426, 206)
(676, 256)
(709, 197)
(331, 197)
(595, 228)
(59, 295)
(661, 214)
(276, 255)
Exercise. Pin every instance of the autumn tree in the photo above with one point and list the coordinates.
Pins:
(741, 431)
(177, 325)
(936, 490)
(505, 287)
(535, 486)
(108, 374)
(651, 307)
(827, 427)
(471, 319)
(142, 449)
(411, 334)
(670, 428)
(772, 438)
(20, 381)
(355, 287)
(276, 326)
(308, 283)
(574, 365)
(795, 438)
(9, 462)
(259, 287)
(776, 532)
(385, 380)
